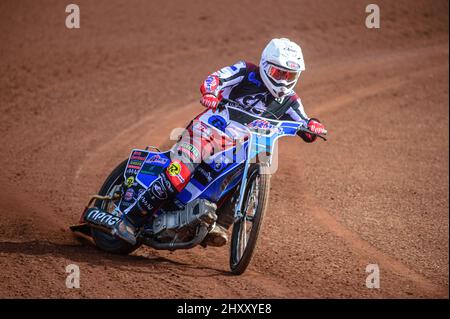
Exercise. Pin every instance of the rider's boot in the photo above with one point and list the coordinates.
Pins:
(217, 237)
(157, 194)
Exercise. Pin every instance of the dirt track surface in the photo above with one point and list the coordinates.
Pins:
(74, 102)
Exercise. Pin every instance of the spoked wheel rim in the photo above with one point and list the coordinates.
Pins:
(246, 229)
(246, 222)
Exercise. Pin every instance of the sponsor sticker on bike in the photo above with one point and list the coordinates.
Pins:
(102, 218)
(136, 160)
(150, 169)
(174, 169)
(260, 124)
(158, 190)
(156, 160)
(135, 163)
(128, 195)
(177, 176)
(130, 181)
(131, 171)
(138, 157)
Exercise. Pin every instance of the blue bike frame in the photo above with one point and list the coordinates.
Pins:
(258, 136)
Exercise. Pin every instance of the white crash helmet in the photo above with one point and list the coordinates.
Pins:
(280, 66)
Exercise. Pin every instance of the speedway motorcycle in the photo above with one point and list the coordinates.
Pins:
(231, 188)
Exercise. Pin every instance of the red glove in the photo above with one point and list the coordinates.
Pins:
(210, 101)
(316, 127)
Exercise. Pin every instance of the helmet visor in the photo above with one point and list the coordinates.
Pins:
(282, 75)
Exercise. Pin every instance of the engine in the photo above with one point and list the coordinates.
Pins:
(181, 225)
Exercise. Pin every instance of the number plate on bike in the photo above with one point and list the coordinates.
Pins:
(100, 217)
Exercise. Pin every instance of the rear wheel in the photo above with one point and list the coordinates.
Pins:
(103, 240)
(246, 230)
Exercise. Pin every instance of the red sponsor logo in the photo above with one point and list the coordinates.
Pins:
(140, 158)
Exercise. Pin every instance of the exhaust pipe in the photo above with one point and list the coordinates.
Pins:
(203, 231)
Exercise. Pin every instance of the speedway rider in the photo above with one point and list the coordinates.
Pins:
(268, 86)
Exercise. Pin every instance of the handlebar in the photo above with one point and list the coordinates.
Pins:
(224, 101)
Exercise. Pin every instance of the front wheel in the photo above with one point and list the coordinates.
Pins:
(103, 240)
(245, 230)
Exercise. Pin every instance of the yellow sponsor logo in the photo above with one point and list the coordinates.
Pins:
(130, 181)
(174, 169)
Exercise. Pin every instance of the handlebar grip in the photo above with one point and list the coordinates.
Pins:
(302, 129)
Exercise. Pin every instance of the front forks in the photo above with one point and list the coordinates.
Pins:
(240, 202)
